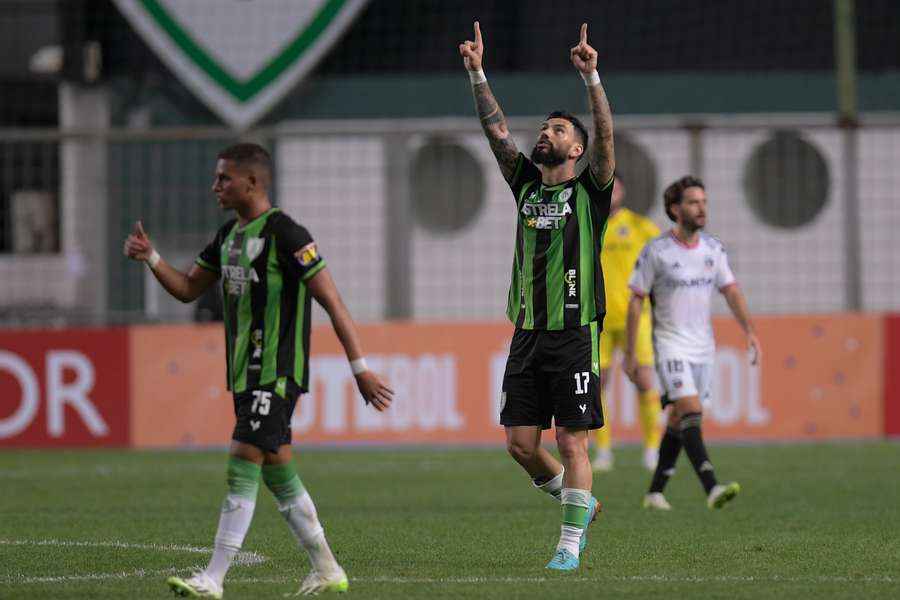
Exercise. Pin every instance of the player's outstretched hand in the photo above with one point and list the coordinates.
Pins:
(584, 57)
(374, 390)
(138, 245)
(473, 51)
(755, 349)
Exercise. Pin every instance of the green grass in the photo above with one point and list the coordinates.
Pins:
(819, 521)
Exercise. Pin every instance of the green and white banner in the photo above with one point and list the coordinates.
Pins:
(240, 56)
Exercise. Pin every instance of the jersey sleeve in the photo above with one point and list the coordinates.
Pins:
(211, 256)
(600, 192)
(297, 250)
(524, 174)
(644, 274)
(724, 277)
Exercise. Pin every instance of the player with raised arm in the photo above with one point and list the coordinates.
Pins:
(556, 298)
(679, 271)
(626, 234)
(270, 268)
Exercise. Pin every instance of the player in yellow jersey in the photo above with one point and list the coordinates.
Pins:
(626, 234)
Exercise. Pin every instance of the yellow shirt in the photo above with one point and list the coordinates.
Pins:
(626, 234)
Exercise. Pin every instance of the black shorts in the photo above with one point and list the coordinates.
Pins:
(553, 375)
(264, 415)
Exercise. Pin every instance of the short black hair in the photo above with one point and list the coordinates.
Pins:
(675, 191)
(576, 123)
(251, 155)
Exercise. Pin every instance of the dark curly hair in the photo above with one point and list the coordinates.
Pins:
(674, 192)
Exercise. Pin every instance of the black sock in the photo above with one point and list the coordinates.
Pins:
(668, 454)
(692, 438)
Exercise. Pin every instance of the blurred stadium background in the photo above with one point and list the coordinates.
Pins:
(790, 112)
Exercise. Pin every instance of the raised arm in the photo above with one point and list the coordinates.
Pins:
(492, 120)
(601, 154)
(186, 287)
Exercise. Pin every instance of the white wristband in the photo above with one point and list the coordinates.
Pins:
(153, 259)
(477, 77)
(359, 366)
(591, 79)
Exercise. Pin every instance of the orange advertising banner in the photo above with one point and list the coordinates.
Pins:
(820, 378)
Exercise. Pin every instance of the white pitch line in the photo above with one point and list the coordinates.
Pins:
(136, 574)
(555, 580)
(242, 558)
(252, 558)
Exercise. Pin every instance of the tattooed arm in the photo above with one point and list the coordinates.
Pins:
(492, 120)
(601, 154)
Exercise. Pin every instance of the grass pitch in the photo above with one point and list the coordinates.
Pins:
(820, 521)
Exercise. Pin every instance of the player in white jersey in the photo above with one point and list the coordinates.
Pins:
(679, 271)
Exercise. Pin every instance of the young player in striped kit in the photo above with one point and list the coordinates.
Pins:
(270, 269)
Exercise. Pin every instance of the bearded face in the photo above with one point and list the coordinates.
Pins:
(692, 209)
(545, 153)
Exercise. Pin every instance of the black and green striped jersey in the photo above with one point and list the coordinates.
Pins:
(557, 280)
(264, 265)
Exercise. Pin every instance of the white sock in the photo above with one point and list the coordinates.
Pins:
(300, 514)
(573, 501)
(569, 539)
(552, 486)
(234, 521)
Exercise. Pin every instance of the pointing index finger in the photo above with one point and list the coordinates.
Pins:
(584, 33)
(139, 228)
(477, 33)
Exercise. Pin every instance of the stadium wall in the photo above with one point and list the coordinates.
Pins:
(822, 378)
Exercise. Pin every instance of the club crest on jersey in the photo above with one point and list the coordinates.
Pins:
(709, 262)
(254, 247)
(565, 195)
(307, 255)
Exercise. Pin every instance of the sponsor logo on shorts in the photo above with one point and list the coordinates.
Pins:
(254, 425)
(583, 408)
(677, 384)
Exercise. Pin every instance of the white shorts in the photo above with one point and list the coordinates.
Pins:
(680, 379)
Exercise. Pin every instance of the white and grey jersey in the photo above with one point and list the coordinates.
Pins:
(679, 280)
